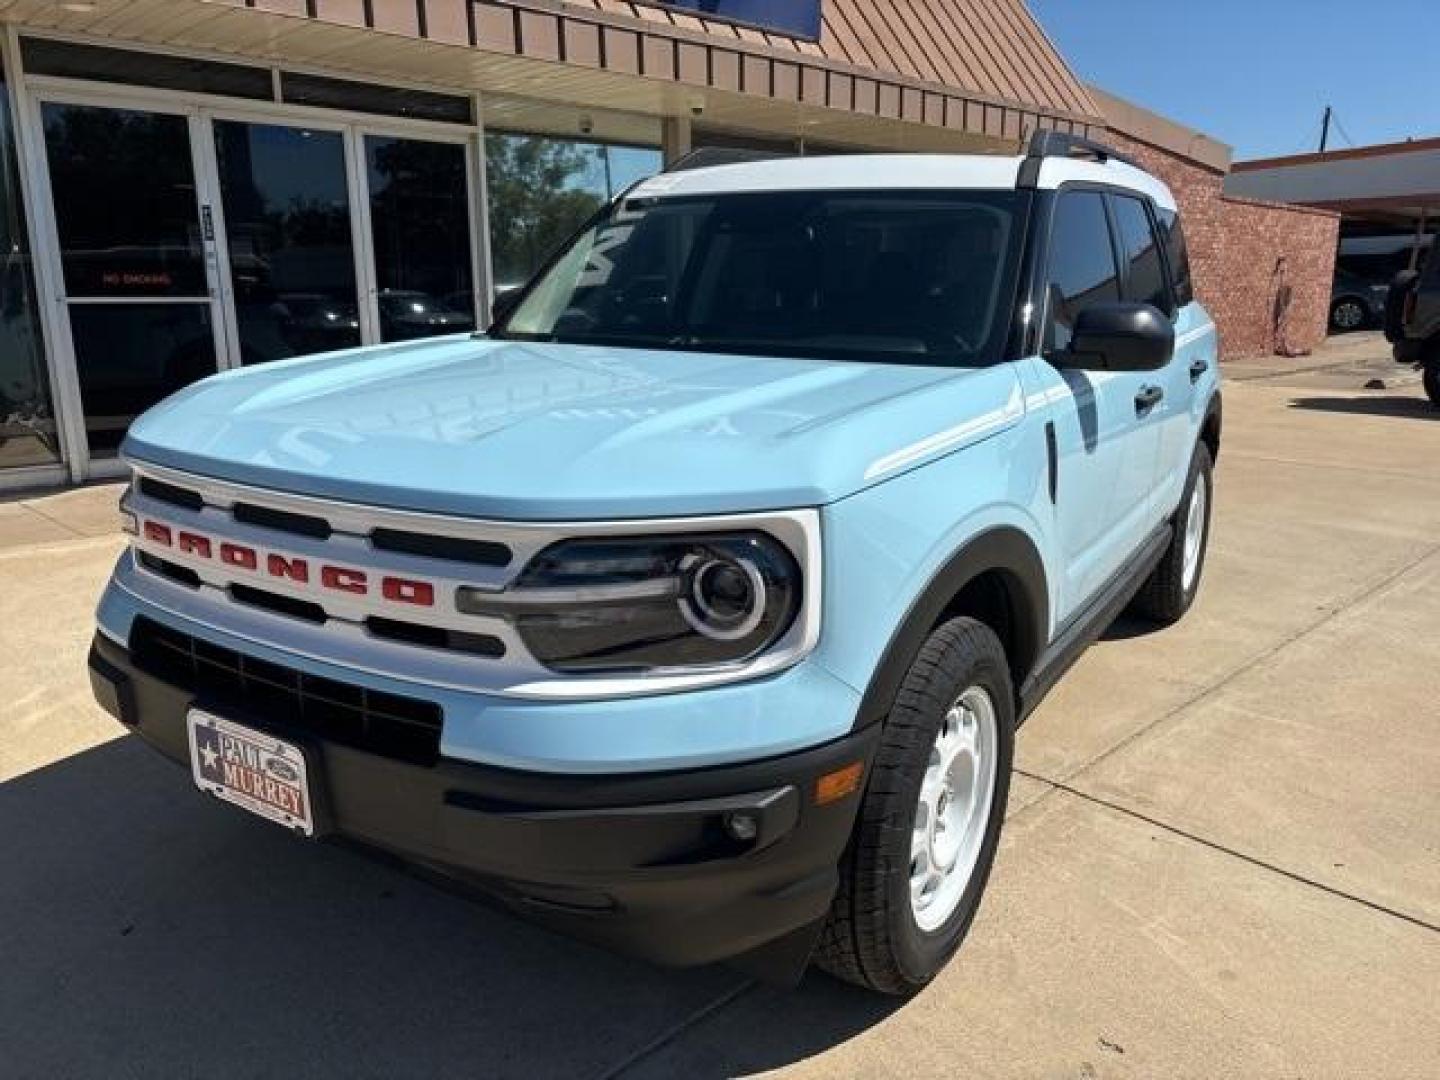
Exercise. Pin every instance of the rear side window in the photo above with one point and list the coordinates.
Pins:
(1172, 236)
(1144, 272)
(1082, 269)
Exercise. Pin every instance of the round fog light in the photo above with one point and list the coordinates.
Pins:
(742, 825)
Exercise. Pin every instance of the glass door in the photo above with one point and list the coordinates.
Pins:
(289, 236)
(136, 254)
(420, 236)
(337, 237)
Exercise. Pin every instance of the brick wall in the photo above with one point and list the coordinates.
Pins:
(1236, 252)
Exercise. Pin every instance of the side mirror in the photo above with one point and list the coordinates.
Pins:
(1119, 337)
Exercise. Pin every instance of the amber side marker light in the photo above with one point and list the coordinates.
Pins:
(839, 783)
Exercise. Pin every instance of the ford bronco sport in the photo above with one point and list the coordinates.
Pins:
(693, 607)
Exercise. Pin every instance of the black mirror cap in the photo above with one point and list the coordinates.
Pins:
(1120, 337)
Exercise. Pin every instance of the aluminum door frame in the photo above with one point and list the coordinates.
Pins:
(57, 298)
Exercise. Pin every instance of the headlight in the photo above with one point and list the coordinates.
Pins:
(636, 605)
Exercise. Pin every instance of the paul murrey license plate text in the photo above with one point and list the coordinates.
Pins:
(253, 770)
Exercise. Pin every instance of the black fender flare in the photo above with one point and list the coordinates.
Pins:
(1210, 426)
(1005, 550)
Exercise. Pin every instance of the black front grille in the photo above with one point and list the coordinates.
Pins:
(267, 517)
(455, 548)
(379, 723)
(436, 637)
(172, 494)
(174, 571)
(278, 603)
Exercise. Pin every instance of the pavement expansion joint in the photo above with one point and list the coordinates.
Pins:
(675, 1030)
(1253, 860)
(1363, 593)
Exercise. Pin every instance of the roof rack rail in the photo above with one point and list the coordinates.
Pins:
(1048, 143)
(706, 156)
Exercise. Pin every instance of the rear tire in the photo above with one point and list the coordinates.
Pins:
(929, 824)
(1170, 590)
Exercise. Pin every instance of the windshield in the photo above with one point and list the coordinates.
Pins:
(913, 277)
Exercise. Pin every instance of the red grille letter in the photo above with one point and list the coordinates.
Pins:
(236, 555)
(157, 532)
(294, 569)
(337, 577)
(194, 543)
(404, 591)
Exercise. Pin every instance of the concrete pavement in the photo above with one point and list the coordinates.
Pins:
(1222, 857)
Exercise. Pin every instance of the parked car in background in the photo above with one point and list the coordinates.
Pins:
(1355, 303)
(1377, 259)
(406, 314)
(1365, 266)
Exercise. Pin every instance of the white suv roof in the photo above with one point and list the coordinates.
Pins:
(897, 171)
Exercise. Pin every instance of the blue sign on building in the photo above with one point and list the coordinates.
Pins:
(798, 18)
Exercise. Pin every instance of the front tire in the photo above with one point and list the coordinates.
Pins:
(917, 864)
(1170, 590)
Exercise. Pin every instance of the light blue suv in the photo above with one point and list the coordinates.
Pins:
(692, 608)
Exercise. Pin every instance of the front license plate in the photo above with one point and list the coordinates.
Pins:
(251, 769)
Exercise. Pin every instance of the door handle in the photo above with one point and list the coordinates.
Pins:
(1198, 368)
(1147, 399)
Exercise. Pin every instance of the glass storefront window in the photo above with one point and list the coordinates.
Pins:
(420, 225)
(287, 224)
(27, 418)
(130, 356)
(541, 189)
(124, 190)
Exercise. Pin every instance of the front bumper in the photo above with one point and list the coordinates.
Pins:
(642, 863)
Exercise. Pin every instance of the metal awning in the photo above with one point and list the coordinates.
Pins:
(1394, 184)
(967, 74)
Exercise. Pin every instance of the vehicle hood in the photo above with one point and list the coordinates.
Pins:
(532, 431)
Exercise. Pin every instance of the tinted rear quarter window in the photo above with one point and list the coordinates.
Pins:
(1172, 235)
(1081, 264)
(1144, 273)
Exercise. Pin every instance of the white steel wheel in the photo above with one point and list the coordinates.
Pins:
(1195, 518)
(929, 823)
(953, 810)
(1170, 590)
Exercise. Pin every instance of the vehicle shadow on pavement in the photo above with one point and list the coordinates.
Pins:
(146, 929)
(1409, 408)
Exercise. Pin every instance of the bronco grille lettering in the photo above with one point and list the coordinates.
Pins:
(238, 555)
(296, 568)
(342, 580)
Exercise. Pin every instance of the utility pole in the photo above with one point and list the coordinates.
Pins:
(1325, 130)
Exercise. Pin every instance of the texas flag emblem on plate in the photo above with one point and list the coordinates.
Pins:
(251, 769)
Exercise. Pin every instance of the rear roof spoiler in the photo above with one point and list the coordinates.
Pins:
(1046, 143)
